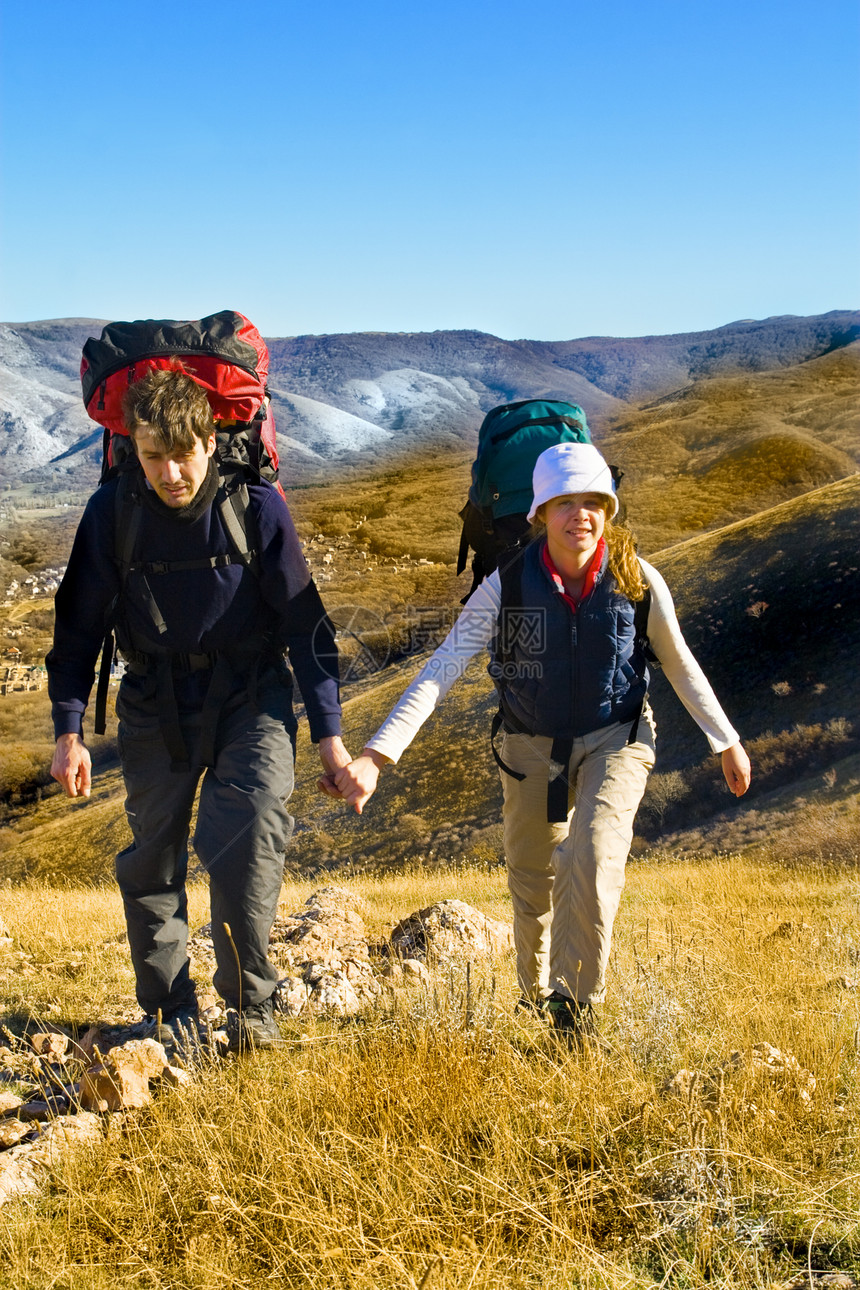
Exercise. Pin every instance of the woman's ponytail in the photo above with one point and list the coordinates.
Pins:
(623, 562)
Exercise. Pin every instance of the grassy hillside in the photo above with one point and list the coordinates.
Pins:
(813, 819)
(769, 606)
(726, 448)
(410, 508)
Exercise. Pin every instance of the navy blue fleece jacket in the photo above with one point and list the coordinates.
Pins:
(206, 610)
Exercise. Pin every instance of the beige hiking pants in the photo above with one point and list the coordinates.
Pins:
(566, 879)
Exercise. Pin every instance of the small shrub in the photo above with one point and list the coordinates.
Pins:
(676, 800)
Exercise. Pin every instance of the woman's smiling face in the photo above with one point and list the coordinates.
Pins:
(574, 523)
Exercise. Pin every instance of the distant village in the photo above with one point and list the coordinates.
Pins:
(16, 672)
(44, 583)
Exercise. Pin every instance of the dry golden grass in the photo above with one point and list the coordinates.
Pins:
(64, 841)
(410, 507)
(728, 447)
(441, 1142)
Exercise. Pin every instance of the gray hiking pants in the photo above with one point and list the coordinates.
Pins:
(242, 831)
(566, 879)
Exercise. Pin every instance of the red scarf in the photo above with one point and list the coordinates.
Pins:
(591, 575)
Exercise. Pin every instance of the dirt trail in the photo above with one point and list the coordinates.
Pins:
(23, 607)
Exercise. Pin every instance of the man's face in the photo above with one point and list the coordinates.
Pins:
(176, 476)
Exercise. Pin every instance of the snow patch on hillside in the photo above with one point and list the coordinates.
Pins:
(323, 429)
(37, 422)
(409, 393)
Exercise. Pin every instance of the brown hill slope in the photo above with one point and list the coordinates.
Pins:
(771, 608)
(729, 447)
(770, 605)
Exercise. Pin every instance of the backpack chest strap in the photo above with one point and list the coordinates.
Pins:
(159, 567)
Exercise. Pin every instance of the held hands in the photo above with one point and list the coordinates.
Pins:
(333, 756)
(357, 781)
(72, 766)
(736, 769)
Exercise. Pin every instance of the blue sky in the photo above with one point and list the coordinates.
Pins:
(546, 170)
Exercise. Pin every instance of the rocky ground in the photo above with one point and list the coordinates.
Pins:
(62, 1093)
(326, 557)
(56, 1090)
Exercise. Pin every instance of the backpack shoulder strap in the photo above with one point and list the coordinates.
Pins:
(234, 507)
(511, 579)
(127, 516)
(641, 610)
(126, 528)
(463, 551)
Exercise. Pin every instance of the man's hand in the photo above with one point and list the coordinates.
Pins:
(72, 766)
(736, 769)
(356, 782)
(333, 756)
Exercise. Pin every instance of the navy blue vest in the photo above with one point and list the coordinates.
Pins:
(561, 673)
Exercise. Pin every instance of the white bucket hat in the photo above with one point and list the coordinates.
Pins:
(572, 468)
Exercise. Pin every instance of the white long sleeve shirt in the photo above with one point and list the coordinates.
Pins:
(475, 628)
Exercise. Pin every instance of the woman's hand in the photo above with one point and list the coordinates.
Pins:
(333, 755)
(736, 769)
(356, 782)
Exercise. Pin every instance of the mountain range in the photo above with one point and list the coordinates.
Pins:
(365, 396)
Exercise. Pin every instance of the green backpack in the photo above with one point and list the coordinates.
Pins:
(510, 440)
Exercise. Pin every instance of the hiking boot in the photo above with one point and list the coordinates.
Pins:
(178, 1031)
(534, 1007)
(573, 1020)
(253, 1027)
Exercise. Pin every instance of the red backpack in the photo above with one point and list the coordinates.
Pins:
(227, 356)
(224, 353)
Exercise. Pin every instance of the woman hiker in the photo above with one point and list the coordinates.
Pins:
(569, 659)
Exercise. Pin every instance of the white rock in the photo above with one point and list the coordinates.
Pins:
(50, 1044)
(24, 1169)
(292, 997)
(336, 995)
(121, 1080)
(448, 930)
(12, 1131)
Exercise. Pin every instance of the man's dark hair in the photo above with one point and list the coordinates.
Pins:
(172, 406)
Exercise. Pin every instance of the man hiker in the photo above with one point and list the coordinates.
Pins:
(207, 694)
